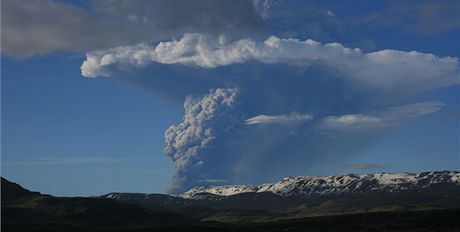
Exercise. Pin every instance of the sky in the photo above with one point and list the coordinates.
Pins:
(161, 96)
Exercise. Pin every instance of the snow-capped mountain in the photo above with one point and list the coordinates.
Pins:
(339, 184)
(312, 195)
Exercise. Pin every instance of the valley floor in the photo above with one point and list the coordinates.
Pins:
(431, 220)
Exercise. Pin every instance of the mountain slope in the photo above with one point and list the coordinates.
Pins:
(22, 208)
(13, 193)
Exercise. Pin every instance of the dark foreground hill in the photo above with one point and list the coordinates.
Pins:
(435, 209)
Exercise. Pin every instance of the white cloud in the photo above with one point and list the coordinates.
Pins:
(387, 118)
(382, 69)
(355, 121)
(279, 119)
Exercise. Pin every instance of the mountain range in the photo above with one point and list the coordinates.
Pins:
(405, 202)
(307, 186)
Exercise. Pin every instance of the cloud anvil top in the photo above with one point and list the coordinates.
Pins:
(386, 68)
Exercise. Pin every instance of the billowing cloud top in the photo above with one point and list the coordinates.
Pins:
(204, 119)
(383, 69)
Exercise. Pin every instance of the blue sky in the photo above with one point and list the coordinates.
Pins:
(59, 115)
(66, 133)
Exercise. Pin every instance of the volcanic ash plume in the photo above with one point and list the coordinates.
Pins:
(188, 143)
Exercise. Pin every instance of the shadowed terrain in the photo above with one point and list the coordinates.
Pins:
(435, 209)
